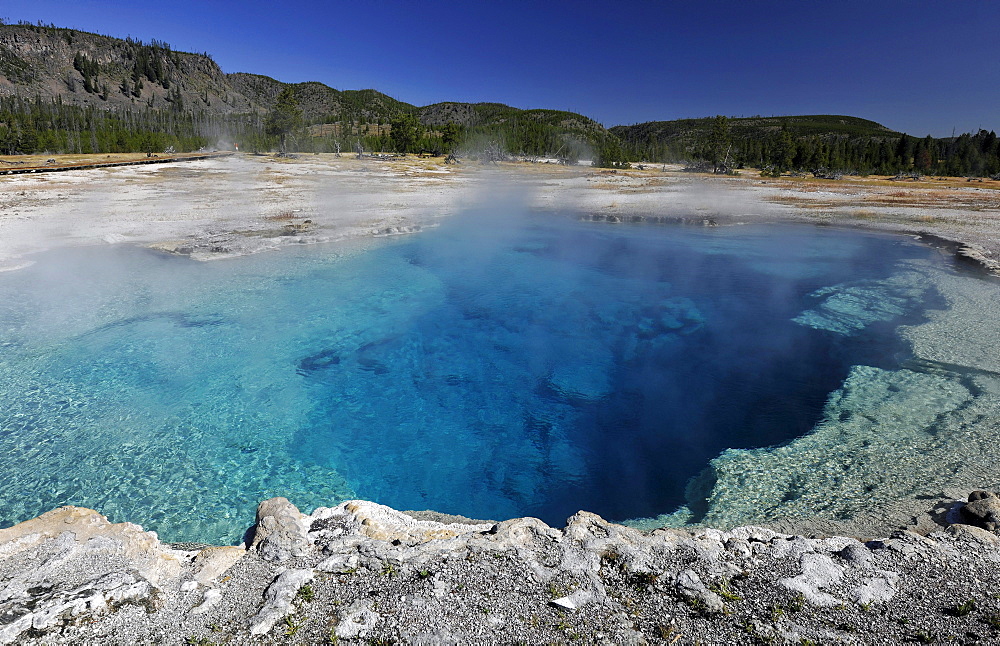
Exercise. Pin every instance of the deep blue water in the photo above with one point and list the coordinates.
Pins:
(495, 367)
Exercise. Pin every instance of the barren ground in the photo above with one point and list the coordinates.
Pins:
(243, 204)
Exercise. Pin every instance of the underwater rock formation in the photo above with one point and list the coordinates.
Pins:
(870, 449)
(888, 438)
(849, 308)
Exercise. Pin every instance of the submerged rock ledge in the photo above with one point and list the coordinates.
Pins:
(364, 573)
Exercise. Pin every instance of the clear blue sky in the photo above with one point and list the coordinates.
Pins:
(924, 67)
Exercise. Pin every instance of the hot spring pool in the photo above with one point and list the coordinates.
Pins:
(495, 368)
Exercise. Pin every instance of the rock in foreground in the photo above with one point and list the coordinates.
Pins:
(364, 573)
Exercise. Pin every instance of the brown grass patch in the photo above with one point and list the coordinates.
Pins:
(605, 186)
(803, 202)
(283, 216)
(638, 190)
(13, 161)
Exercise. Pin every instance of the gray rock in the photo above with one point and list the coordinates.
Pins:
(974, 534)
(31, 609)
(356, 621)
(690, 586)
(575, 601)
(338, 563)
(565, 603)
(857, 555)
(739, 547)
(754, 534)
(281, 532)
(278, 599)
(212, 597)
(214, 562)
(437, 638)
(783, 547)
(982, 510)
(71, 564)
(878, 589)
(818, 572)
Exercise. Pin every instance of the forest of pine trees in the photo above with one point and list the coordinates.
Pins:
(785, 149)
(49, 126)
(40, 126)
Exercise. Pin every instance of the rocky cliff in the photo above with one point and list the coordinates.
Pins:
(81, 68)
(86, 69)
(364, 573)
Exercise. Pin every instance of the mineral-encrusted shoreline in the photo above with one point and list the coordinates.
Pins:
(220, 208)
(364, 573)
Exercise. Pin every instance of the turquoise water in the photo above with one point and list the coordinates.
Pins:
(495, 367)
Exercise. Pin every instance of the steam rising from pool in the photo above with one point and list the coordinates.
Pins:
(503, 365)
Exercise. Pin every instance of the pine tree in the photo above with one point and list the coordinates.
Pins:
(784, 151)
(904, 151)
(719, 144)
(404, 132)
(285, 117)
(450, 134)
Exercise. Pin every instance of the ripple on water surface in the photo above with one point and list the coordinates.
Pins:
(536, 367)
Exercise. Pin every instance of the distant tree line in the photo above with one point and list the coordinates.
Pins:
(788, 148)
(44, 126)
(722, 144)
(780, 150)
(402, 131)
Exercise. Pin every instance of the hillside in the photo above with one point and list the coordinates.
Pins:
(87, 69)
(64, 90)
(805, 125)
(321, 103)
(479, 114)
(683, 138)
(847, 144)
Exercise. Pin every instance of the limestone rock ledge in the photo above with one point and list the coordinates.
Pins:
(365, 573)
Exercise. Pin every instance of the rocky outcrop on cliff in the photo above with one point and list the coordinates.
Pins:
(365, 573)
(88, 69)
(107, 73)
